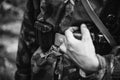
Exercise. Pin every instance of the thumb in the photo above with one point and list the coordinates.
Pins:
(85, 33)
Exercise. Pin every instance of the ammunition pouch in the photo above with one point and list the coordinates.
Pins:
(45, 34)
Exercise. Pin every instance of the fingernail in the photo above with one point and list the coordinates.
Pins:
(83, 25)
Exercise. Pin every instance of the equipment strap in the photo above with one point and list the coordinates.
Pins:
(98, 22)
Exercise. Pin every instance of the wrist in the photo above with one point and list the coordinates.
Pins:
(102, 62)
(100, 70)
(92, 64)
(99, 63)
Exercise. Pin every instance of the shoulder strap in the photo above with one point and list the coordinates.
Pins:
(98, 22)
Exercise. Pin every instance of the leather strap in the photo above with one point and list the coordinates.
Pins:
(98, 22)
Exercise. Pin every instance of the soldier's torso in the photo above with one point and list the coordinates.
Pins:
(74, 14)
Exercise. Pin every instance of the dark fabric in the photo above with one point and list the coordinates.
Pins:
(27, 43)
(113, 65)
(45, 11)
(53, 66)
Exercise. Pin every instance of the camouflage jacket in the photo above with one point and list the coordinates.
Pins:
(28, 39)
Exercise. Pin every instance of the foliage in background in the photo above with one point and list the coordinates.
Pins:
(11, 10)
(11, 16)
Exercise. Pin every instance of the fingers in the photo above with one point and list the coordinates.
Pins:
(78, 36)
(69, 34)
(85, 33)
(71, 37)
(72, 29)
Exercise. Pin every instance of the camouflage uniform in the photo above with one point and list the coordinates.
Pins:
(29, 39)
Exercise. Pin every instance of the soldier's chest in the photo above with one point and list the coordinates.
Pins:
(73, 14)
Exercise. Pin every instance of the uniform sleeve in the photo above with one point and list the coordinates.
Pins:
(27, 44)
(109, 68)
(113, 65)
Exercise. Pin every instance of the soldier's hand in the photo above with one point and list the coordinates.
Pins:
(81, 51)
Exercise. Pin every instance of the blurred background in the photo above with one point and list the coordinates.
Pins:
(11, 16)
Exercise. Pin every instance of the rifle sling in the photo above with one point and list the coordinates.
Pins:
(98, 22)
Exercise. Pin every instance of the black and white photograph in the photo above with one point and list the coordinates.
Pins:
(59, 39)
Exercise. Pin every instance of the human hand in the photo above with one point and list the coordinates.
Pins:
(81, 51)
